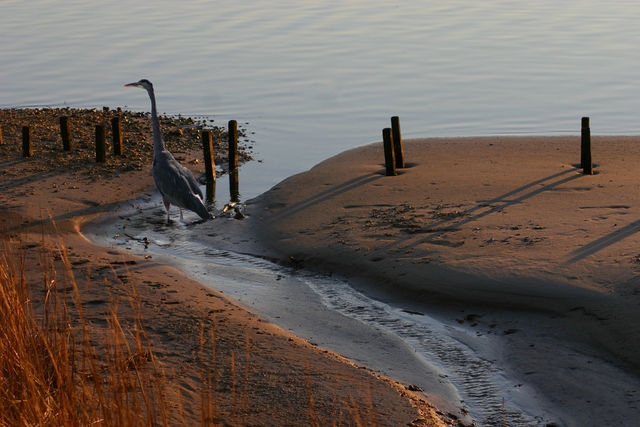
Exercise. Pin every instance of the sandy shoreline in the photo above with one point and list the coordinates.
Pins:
(503, 236)
(508, 227)
(283, 373)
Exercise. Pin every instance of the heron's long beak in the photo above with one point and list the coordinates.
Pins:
(132, 84)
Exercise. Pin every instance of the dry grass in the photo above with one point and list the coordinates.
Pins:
(58, 369)
(53, 372)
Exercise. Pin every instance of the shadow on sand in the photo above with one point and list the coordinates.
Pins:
(487, 207)
(603, 242)
(330, 193)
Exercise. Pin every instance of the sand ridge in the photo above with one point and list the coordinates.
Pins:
(506, 221)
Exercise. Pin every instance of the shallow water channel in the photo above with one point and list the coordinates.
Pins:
(466, 362)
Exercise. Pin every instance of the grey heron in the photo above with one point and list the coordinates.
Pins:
(175, 182)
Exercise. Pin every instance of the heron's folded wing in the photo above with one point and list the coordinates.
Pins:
(174, 184)
(193, 184)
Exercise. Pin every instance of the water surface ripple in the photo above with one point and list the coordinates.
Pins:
(316, 78)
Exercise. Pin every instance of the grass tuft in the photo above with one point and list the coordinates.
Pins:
(52, 372)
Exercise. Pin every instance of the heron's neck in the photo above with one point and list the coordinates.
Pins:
(158, 143)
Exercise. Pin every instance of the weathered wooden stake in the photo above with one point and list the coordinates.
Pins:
(397, 142)
(27, 144)
(1, 141)
(234, 186)
(232, 130)
(211, 192)
(116, 129)
(209, 160)
(389, 161)
(585, 148)
(65, 134)
(233, 144)
(101, 144)
(209, 164)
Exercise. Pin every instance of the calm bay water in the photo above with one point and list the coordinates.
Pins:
(315, 78)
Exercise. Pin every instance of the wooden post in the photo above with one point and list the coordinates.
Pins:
(233, 160)
(585, 148)
(397, 142)
(65, 134)
(389, 161)
(233, 145)
(27, 143)
(234, 186)
(209, 161)
(211, 192)
(101, 149)
(1, 141)
(209, 164)
(116, 129)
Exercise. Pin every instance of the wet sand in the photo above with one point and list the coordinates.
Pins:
(286, 380)
(503, 235)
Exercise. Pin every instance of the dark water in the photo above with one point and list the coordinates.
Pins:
(316, 78)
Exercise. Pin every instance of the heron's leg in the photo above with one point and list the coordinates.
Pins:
(166, 206)
(181, 217)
